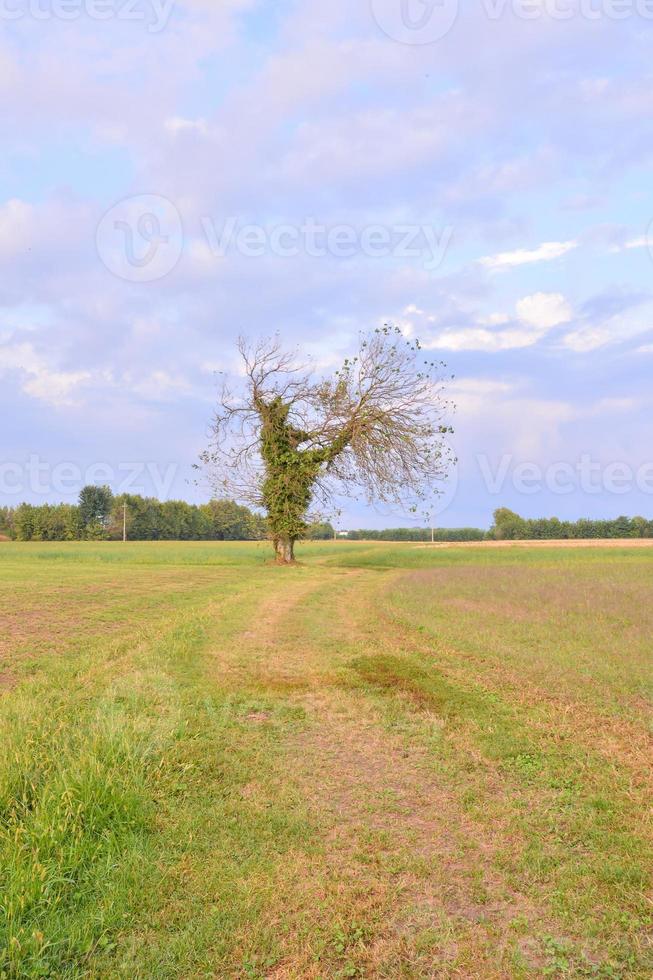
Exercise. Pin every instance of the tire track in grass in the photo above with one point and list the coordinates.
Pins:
(582, 721)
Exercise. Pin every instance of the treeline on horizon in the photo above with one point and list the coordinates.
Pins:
(509, 526)
(99, 516)
(419, 534)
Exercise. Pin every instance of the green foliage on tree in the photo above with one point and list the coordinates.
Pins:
(230, 521)
(176, 520)
(7, 522)
(95, 511)
(290, 472)
(508, 526)
(46, 522)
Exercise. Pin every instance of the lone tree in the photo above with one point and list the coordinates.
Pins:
(285, 439)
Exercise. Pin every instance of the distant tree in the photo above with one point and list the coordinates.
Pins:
(320, 531)
(284, 439)
(641, 527)
(508, 526)
(95, 505)
(623, 528)
(229, 521)
(24, 522)
(7, 515)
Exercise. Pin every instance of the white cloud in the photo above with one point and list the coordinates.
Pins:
(587, 339)
(620, 328)
(536, 315)
(642, 242)
(159, 385)
(54, 387)
(544, 310)
(545, 252)
(177, 124)
(19, 357)
(494, 320)
(505, 413)
(480, 338)
(472, 395)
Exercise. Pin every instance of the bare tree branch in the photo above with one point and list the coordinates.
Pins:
(284, 439)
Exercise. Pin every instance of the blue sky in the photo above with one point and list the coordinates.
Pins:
(479, 175)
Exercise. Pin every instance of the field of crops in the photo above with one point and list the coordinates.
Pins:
(390, 761)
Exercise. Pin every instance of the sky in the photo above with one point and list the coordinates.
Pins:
(177, 173)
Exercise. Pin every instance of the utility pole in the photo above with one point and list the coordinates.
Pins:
(432, 535)
(124, 522)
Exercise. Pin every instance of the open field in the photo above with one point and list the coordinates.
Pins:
(392, 761)
(565, 543)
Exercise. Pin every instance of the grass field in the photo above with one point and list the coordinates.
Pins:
(390, 761)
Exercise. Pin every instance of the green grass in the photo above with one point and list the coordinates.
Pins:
(390, 761)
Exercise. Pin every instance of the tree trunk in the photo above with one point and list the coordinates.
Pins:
(285, 549)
